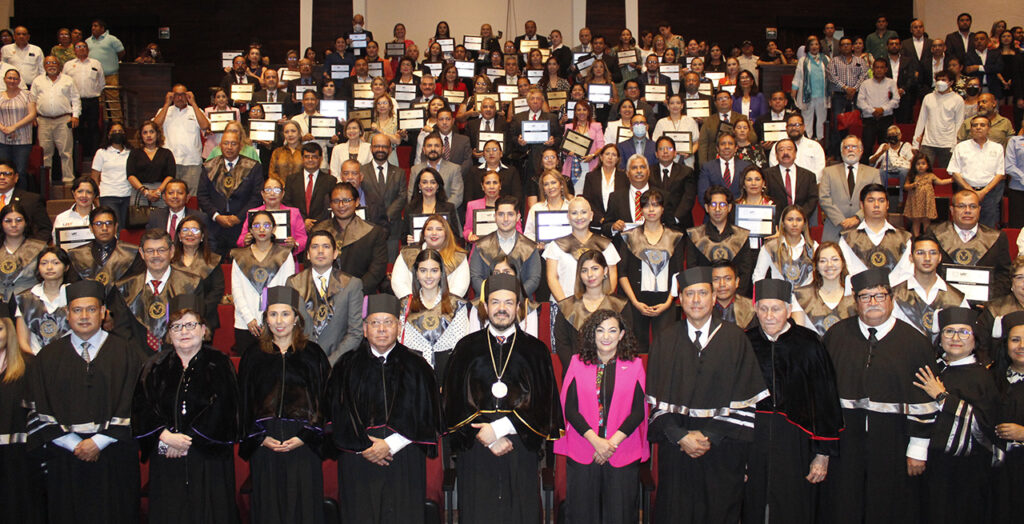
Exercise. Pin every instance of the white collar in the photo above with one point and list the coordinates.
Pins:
(703, 328)
(170, 212)
(504, 333)
(306, 174)
(973, 231)
(385, 354)
(775, 338)
(163, 278)
(634, 189)
(317, 275)
(864, 227)
(914, 285)
(882, 329)
(969, 359)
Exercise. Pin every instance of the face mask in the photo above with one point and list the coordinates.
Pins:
(117, 138)
(640, 130)
(152, 52)
(893, 139)
(973, 91)
(941, 85)
(357, 28)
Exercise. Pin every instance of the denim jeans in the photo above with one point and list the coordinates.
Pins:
(120, 207)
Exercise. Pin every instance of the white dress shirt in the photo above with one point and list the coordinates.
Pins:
(809, 155)
(854, 265)
(881, 93)
(56, 97)
(161, 281)
(939, 119)
(27, 60)
(977, 164)
(928, 296)
(88, 76)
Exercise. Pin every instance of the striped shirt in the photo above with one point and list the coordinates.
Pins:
(11, 111)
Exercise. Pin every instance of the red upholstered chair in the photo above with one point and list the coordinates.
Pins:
(132, 236)
(1011, 237)
(224, 337)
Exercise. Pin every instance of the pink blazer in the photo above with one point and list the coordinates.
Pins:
(627, 375)
(298, 227)
(597, 134)
(473, 205)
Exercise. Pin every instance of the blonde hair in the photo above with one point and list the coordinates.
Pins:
(236, 126)
(561, 182)
(450, 246)
(12, 353)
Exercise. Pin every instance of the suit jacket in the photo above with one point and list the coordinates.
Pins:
(592, 191)
(806, 190)
(451, 174)
(660, 108)
(225, 84)
(909, 73)
(532, 152)
(295, 195)
(245, 195)
(836, 201)
(829, 46)
(619, 207)
(283, 97)
(472, 131)
(923, 62)
(681, 186)
(993, 66)
(708, 139)
(955, 45)
(42, 226)
(511, 184)
(711, 175)
(343, 332)
(542, 41)
(461, 152)
(159, 216)
(362, 250)
(384, 203)
(627, 149)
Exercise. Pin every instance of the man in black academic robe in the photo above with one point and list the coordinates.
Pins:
(79, 395)
(703, 384)
(386, 415)
(797, 427)
(501, 404)
(888, 420)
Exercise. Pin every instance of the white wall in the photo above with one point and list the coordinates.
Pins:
(464, 17)
(939, 16)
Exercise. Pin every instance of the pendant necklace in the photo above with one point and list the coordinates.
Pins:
(499, 389)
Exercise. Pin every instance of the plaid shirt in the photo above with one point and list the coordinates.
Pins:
(842, 75)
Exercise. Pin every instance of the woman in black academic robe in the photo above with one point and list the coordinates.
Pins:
(185, 417)
(21, 494)
(1008, 419)
(592, 293)
(283, 382)
(956, 487)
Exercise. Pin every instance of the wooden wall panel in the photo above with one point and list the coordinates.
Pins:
(331, 18)
(605, 17)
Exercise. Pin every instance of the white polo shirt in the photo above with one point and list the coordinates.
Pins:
(977, 164)
(182, 134)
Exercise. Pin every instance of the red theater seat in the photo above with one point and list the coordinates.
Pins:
(224, 337)
(946, 190)
(1011, 237)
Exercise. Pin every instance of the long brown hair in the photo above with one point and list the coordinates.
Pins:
(816, 279)
(298, 335)
(415, 304)
(782, 252)
(591, 254)
(451, 247)
(204, 245)
(12, 353)
(586, 346)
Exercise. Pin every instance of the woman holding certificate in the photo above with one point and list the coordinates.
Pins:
(286, 160)
(576, 167)
(592, 293)
(627, 108)
(41, 311)
(18, 253)
(678, 121)
(825, 300)
(650, 254)
(273, 194)
(491, 184)
(221, 102)
(598, 74)
(450, 81)
(436, 235)
(85, 190)
(555, 198)
(353, 148)
(404, 75)
(254, 269)
(789, 253)
(468, 108)
(428, 198)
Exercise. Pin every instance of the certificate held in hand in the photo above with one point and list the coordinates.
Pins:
(698, 108)
(577, 143)
(411, 119)
(219, 120)
(655, 93)
(774, 131)
(683, 140)
(242, 92)
(262, 130)
(536, 131)
(552, 225)
(323, 126)
(599, 93)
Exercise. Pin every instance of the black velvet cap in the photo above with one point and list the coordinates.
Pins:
(694, 275)
(868, 279)
(773, 288)
(283, 295)
(85, 288)
(381, 303)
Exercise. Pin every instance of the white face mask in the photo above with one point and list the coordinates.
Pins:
(357, 28)
(941, 85)
(639, 130)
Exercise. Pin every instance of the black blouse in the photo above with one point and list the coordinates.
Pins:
(575, 418)
(150, 171)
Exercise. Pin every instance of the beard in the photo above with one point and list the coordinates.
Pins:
(502, 323)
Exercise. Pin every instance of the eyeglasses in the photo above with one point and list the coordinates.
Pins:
(337, 201)
(13, 220)
(273, 190)
(188, 326)
(877, 297)
(794, 125)
(962, 333)
(103, 223)
(972, 207)
(7, 173)
(378, 323)
(192, 230)
(264, 226)
(158, 251)
(718, 205)
(921, 253)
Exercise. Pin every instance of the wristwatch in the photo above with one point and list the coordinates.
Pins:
(941, 397)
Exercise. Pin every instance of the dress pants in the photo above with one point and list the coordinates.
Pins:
(55, 133)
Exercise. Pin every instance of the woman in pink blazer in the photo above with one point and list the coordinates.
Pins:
(273, 193)
(491, 184)
(605, 412)
(575, 168)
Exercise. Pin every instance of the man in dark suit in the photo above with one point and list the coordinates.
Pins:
(42, 227)
(309, 192)
(362, 246)
(384, 187)
(305, 78)
(531, 34)
(918, 49)
(653, 77)
(272, 93)
(985, 64)
(725, 170)
(624, 204)
(777, 112)
(829, 43)
(488, 123)
(168, 218)
(358, 29)
(639, 144)
(229, 186)
(722, 119)
(631, 90)
(610, 60)
(691, 91)
(959, 41)
(802, 187)
(455, 148)
(360, 75)
(680, 183)
(531, 152)
(906, 72)
(237, 75)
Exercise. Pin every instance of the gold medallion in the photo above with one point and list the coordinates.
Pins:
(829, 321)
(48, 328)
(927, 320)
(260, 275)
(431, 322)
(229, 182)
(102, 277)
(720, 253)
(321, 313)
(8, 266)
(963, 257)
(878, 259)
(157, 310)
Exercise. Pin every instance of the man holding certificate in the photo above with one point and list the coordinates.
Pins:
(721, 120)
(624, 208)
(965, 242)
(717, 239)
(528, 128)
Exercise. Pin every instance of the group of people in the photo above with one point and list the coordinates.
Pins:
(383, 318)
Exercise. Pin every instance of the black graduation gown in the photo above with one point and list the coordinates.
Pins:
(959, 456)
(21, 490)
(66, 394)
(714, 391)
(506, 489)
(1008, 477)
(882, 409)
(368, 399)
(202, 403)
(282, 397)
(800, 419)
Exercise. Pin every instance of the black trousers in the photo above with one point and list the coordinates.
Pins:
(874, 134)
(394, 494)
(1016, 207)
(498, 490)
(703, 490)
(88, 133)
(601, 494)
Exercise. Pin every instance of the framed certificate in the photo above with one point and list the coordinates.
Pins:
(494, 73)
(507, 93)
(447, 44)
(365, 116)
(656, 93)
(362, 90)
(534, 75)
(419, 220)
(282, 225)
(358, 40)
(272, 110)
(570, 110)
(466, 69)
(689, 60)
(411, 119)
(526, 45)
(473, 43)
(972, 281)
(599, 93)
(455, 97)
(288, 75)
(556, 99)
(670, 70)
(536, 131)
(242, 92)
(362, 103)
(375, 69)
(544, 54)
(551, 225)
(434, 67)
(405, 92)
(341, 71)
(263, 130)
(219, 120)
(705, 88)
(759, 220)
(714, 77)
(487, 136)
(483, 222)
(335, 108)
(323, 126)
(584, 63)
(683, 140)
(227, 58)
(519, 105)
(729, 89)
(774, 131)
(627, 58)
(301, 90)
(622, 134)
(698, 108)
(577, 143)
(394, 49)
(73, 236)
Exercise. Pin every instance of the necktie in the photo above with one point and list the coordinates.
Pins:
(636, 205)
(273, 96)
(174, 225)
(725, 118)
(309, 124)
(85, 352)
(727, 175)
(872, 343)
(156, 286)
(323, 287)
(500, 339)
(965, 235)
(381, 360)
(380, 175)
(535, 116)
(3, 201)
(664, 175)
(487, 126)
(309, 192)
(447, 152)
(696, 342)
(789, 187)
(850, 179)
(230, 165)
